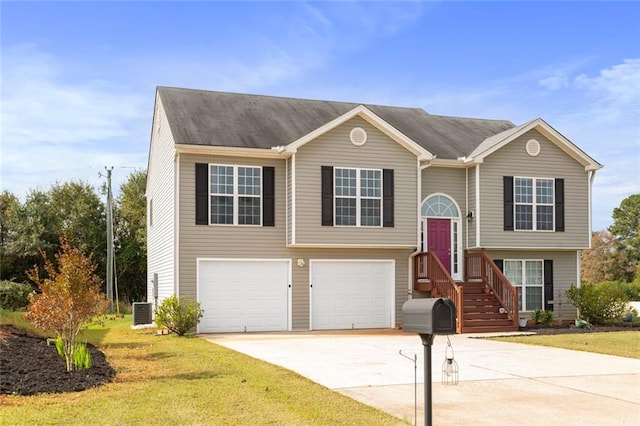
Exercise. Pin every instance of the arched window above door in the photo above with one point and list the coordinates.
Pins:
(439, 206)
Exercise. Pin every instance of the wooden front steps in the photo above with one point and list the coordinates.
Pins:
(481, 311)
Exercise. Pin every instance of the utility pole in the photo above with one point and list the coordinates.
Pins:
(109, 241)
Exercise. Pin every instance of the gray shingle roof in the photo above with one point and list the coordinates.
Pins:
(199, 117)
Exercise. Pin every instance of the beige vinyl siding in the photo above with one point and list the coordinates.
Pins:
(513, 160)
(253, 242)
(161, 189)
(450, 182)
(565, 269)
(225, 240)
(335, 149)
(471, 188)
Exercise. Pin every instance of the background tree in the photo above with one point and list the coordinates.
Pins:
(131, 238)
(80, 216)
(70, 297)
(9, 209)
(76, 210)
(626, 230)
(73, 209)
(36, 231)
(604, 261)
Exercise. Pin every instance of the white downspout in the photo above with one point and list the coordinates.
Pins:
(591, 177)
(477, 213)
(466, 207)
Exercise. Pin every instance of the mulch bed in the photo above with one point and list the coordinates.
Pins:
(572, 329)
(29, 366)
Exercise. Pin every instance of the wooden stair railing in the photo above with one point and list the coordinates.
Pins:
(431, 275)
(479, 266)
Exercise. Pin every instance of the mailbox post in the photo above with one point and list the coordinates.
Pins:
(429, 317)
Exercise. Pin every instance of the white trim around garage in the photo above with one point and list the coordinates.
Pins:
(238, 279)
(342, 302)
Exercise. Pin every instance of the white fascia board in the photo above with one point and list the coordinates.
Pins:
(230, 151)
(521, 248)
(341, 246)
(374, 120)
(449, 163)
(567, 146)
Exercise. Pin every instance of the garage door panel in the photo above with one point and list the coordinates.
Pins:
(243, 295)
(352, 294)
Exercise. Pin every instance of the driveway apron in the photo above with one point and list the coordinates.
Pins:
(499, 383)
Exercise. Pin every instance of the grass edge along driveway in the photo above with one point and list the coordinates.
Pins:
(618, 343)
(187, 381)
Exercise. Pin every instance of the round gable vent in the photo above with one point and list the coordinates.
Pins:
(533, 147)
(358, 136)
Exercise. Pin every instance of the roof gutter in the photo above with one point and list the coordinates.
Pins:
(233, 151)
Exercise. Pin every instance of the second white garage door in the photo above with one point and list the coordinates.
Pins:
(243, 295)
(352, 294)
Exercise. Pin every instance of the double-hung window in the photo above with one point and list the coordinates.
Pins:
(235, 194)
(534, 204)
(528, 278)
(358, 197)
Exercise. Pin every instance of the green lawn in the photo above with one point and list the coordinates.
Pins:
(186, 381)
(621, 343)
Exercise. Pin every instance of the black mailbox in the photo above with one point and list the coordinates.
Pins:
(429, 316)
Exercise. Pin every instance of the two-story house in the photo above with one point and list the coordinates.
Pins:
(291, 214)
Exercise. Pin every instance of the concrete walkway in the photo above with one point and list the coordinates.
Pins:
(500, 383)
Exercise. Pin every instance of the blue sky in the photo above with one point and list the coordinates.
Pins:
(78, 78)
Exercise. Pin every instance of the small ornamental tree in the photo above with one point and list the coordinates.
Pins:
(70, 297)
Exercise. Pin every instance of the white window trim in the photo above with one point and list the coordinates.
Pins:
(524, 280)
(235, 194)
(358, 198)
(534, 204)
(456, 238)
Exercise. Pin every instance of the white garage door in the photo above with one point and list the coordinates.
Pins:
(352, 294)
(243, 295)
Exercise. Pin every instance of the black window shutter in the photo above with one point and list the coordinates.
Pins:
(268, 196)
(548, 284)
(202, 194)
(327, 196)
(387, 198)
(508, 202)
(559, 199)
(500, 264)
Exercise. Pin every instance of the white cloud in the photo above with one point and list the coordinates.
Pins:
(555, 82)
(54, 130)
(619, 84)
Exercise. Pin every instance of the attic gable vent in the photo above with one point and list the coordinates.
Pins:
(358, 136)
(533, 147)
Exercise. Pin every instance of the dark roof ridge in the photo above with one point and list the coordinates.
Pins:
(455, 117)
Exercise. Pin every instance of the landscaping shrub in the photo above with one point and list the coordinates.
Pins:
(633, 290)
(178, 315)
(599, 303)
(542, 317)
(14, 296)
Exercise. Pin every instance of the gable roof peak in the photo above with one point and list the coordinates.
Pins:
(497, 141)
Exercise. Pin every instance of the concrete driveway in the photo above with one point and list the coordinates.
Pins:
(499, 383)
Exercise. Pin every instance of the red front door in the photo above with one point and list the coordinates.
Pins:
(439, 240)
